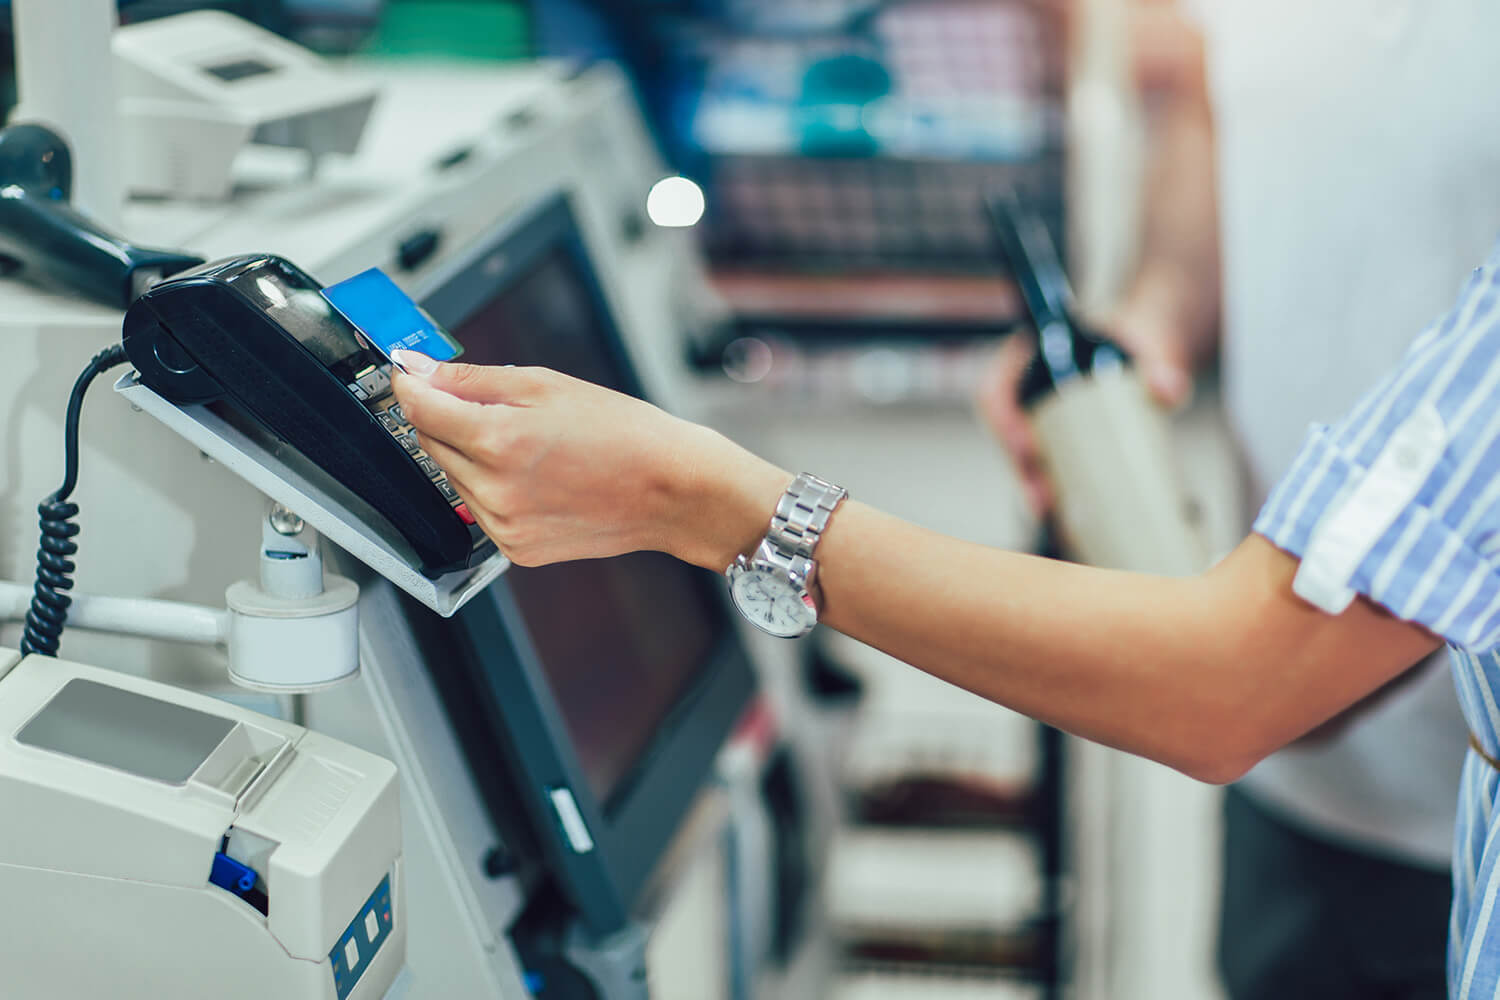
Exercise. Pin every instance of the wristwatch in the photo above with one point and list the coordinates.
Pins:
(774, 587)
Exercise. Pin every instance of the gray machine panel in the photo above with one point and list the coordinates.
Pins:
(126, 731)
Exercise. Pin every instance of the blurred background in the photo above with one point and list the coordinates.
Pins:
(827, 161)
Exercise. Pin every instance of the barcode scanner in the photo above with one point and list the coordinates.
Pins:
(45, 239)
(1105, 443)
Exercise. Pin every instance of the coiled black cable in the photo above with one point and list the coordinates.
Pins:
(54, 566)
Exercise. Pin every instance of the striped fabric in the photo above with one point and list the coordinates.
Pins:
(1400, 502)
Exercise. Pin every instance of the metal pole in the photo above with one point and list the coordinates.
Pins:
(150, 619)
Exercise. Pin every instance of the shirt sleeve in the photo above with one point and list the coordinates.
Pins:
(1400, 500)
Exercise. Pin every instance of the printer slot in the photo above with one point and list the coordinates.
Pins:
(243, 754)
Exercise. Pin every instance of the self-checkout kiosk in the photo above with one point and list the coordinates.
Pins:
(549, 739)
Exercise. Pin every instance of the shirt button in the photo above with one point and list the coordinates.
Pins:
(1408, 456)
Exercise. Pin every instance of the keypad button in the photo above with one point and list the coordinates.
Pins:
(396, 412)
(389, 422)
(358, 391)
(376, 383)
(409, 442)
(430, 467)
(464, 515)
(448, 492)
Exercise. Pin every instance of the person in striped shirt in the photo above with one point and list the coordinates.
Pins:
(1380, 544)
(1398, 505)
(1304, 277)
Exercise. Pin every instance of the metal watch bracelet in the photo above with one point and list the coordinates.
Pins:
(801, 516)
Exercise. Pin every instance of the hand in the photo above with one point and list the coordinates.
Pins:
(555, 468)
(1159, 355)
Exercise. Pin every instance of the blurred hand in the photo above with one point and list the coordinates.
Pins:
(555, 468)
(1160, 354)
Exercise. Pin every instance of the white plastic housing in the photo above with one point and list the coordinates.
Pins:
(197, 87)
(374, 544)
(105, 870)
(293, 645)
(290, 567)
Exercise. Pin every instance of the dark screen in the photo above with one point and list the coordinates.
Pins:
(548, 316)
(621, 640)
(239, 69)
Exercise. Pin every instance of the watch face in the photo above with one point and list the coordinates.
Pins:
(771, 602)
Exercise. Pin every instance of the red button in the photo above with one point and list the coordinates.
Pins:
(462, 510)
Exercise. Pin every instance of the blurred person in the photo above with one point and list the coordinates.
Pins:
(1322, 178)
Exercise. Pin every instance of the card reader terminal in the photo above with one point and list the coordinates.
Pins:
(255, 334)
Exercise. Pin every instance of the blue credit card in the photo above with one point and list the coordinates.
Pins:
(388, 318)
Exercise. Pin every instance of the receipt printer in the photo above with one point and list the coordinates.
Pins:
(156, 843)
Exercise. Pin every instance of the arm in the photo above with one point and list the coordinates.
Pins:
(1205, 674)
(1178, 283)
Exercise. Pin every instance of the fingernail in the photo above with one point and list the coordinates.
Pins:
(414, 362)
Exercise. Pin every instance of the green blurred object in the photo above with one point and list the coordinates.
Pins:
(463, 29)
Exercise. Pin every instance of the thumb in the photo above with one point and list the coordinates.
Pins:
(1167, 375)
(1161, 355)
(474, 383)
(1168, 380)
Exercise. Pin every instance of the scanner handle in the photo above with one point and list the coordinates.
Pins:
(1033, 259)
(49, 238)
(42, 235)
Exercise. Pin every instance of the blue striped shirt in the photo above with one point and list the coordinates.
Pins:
(1400, 502)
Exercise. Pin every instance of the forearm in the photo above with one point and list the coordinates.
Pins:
(1206, 674)
(1179, 272)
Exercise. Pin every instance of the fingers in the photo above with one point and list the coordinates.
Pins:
(1168, 380)
(1159, 356)
(463, 473)
(999, 403)
(484, 383)
(487, 501)
(464, 476)
(476, 383)
(1159, 360)
(999, 397)
(436, 413)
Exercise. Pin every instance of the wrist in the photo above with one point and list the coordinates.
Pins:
(721, 502)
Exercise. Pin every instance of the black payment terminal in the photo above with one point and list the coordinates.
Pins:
(255, 334)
